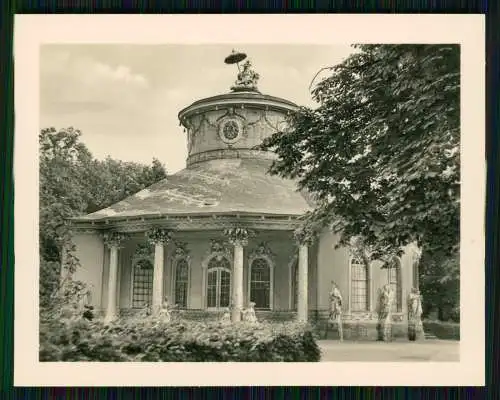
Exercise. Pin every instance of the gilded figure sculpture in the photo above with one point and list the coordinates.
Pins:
(335, 311)
(384, 325)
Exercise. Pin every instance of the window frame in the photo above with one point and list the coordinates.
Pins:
(270, 266)
(398, 290)
(367, 280)
(175, 263)
(217, 270)
(133, 284)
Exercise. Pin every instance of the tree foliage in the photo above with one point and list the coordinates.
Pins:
(73, 183)
(380, 153)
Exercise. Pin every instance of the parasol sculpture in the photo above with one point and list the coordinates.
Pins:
(235, 58)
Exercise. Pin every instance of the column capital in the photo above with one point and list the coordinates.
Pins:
(304, 237)
(114, 239)
(238, 236)
(159, 236)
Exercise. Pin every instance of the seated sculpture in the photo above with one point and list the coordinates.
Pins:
(226, 316)
(165, 310)
(249, 313)
(247, 78)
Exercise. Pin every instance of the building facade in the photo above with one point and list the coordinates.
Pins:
(220, 233)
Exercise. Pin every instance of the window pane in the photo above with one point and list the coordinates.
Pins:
(181, 283)
(359, 286)
(219, 279)
(212, 289)
(225, 288)
(142, 291)
(395, 283)
(260, 283)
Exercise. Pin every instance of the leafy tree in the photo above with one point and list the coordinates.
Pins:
(380, 154)
(73, 183)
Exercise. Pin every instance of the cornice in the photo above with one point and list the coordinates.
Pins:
(189, 223)
(237, 100)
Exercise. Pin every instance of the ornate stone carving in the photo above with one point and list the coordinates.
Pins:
(181, 250)
(114, 239)
(219, 250)
(247, 78)
(415, 327)
(143, 256)
(384, 325)
(238, 236)
(159, 236)
(231, 129)
(262, 250)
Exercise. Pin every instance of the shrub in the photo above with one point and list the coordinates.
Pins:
(443, 330)
(154, 339)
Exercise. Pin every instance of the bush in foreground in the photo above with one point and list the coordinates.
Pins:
(153, 339)
(443, 330)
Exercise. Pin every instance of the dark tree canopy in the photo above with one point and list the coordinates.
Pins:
(380, 153)
(73, 182)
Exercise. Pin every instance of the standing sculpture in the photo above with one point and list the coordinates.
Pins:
(335, 311)
(415, 327)
(384, 325)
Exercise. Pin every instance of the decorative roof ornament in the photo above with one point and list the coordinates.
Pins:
(247, 77)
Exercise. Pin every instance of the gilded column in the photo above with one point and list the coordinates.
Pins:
(159, 238)
(304, 240)
(114, 242)
(238, 237)
(302, 306)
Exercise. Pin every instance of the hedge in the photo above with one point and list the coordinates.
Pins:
(443, 330)
(153, 339)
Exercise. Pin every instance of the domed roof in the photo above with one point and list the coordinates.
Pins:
(217, 186)
(224, 174)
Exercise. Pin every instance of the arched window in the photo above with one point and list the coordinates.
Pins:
(394, 272)
(218, 289)
(181, 282)
(260, 283)
(359, 286)
(142, 291)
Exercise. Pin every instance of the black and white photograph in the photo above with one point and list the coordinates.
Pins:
(253, 202)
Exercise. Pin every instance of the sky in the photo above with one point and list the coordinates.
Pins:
(125, 98)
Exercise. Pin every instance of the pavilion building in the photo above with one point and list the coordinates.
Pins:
(220, 233)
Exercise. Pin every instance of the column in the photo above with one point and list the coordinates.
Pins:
(237, 281)
(113, 241)
(159, 238)
(302, 308)
(238, 237)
